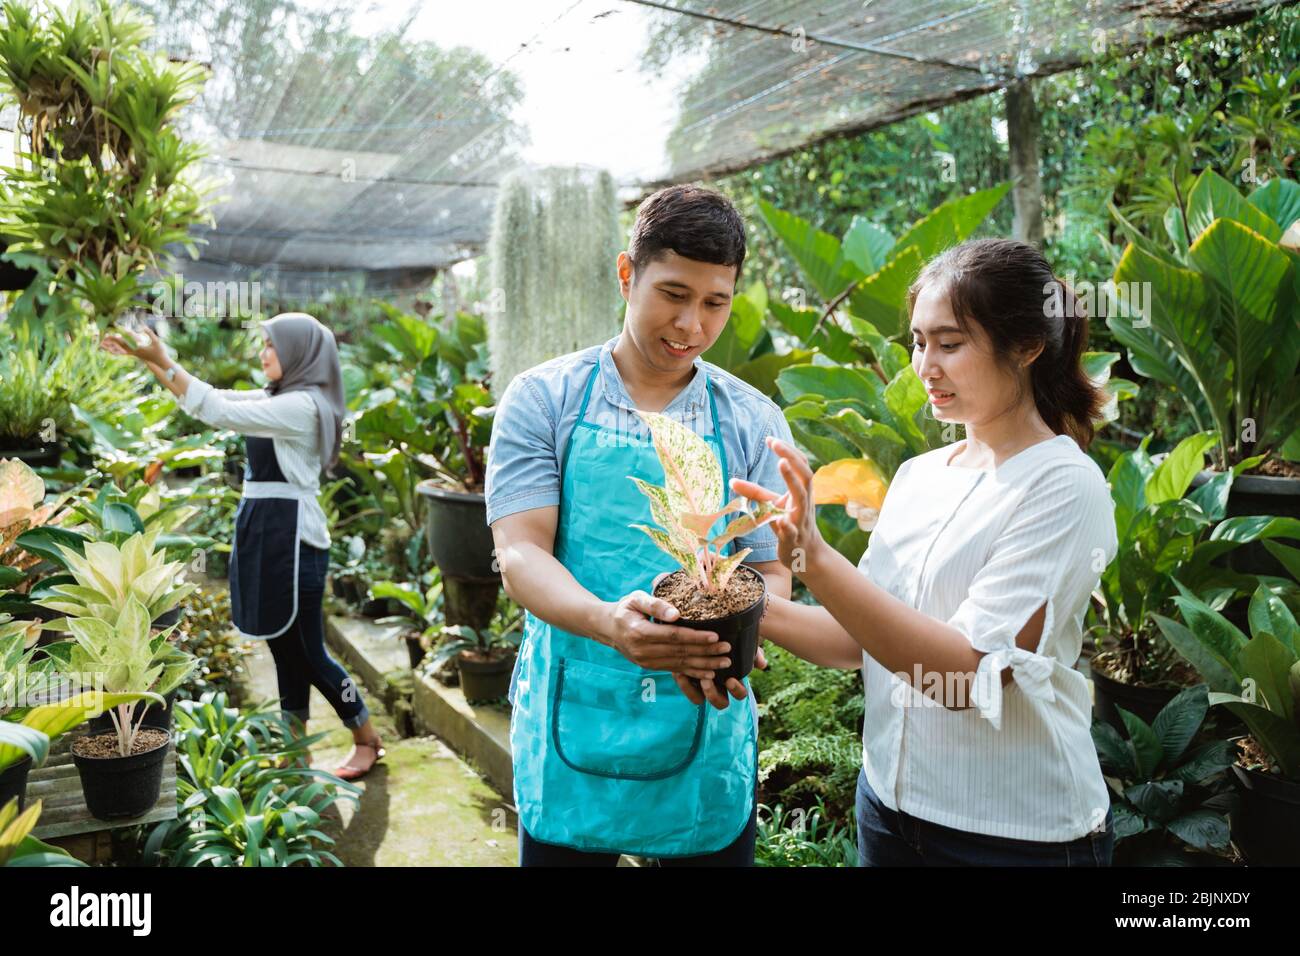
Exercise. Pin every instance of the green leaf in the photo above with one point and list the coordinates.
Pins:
(881, 298)
(1269, 614)
(905, 398)
(45, 542)
(119, 516)
(1203, 829)
(1178, 721)
(1279, 199)
(1214, 198)
(1175, 473)
(866, 245)
(1216, 670)
(1214, 630)
(1158, 799)
(1115, 753)
(1180, 307)
(952, 222)
(818, 253)
(1265, 661)
(1213, 758)
(1146, 745)
(1248, 271)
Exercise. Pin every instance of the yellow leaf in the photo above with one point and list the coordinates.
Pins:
(849, 480)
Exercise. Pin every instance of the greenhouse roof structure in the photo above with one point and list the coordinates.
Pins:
(374, 138)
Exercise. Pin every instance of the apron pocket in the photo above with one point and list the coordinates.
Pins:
(631, 725)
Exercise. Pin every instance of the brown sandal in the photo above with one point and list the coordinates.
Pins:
(349, 772)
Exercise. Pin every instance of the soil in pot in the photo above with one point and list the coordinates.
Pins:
(1110, 690)
(13, 782)
(733, 614)
(117, 787)
(1266, 823)
(485, 676)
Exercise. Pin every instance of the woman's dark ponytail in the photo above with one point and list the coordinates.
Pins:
(1009, 289)
(1066, 398)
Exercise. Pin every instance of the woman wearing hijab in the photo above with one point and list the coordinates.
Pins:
(292, 433)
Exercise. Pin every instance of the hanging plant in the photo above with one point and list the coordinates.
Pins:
(555, 237)
(102, 181)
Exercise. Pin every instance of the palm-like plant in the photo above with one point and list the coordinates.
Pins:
(1218, 322)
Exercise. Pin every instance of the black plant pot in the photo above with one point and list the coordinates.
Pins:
(740, 630)
(154, 716)
(414, 649)
(13, 782)
(1145, 702)
(168, 618)
(13, 278)
(380, 607)
(1266, 824)
(485, 680)
(121, 787)
(36, 456)
(457, 531)
(1257, 495)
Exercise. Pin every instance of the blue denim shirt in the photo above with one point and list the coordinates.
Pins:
(537, 413)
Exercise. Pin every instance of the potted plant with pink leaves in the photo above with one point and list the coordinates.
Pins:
(712, 591)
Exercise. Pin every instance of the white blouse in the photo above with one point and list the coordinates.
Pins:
(983, 550)
(289, 420)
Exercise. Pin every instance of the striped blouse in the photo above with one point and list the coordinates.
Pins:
(983, 550)
(289, 420)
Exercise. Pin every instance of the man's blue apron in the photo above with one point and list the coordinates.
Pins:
(264, 556)
(609, 756)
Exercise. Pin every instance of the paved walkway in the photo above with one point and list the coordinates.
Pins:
(422, 806)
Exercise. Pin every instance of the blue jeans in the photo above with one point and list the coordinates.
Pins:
(740, 852)
(890, 838)
(301, 661)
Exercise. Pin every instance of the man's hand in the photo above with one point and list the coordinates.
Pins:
(697, 691)
(661, 647)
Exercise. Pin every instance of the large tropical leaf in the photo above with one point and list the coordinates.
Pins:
(1248, 271)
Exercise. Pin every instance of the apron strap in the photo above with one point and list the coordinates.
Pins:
(277, 489)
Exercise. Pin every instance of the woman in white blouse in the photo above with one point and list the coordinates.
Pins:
(966, 612)
(292, 432)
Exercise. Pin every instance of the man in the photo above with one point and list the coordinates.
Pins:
(615, 749)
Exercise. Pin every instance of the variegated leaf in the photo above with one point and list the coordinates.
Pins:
(692, 475)
(700, 525)
(764, 512)
(662, 512)
(683, 556)
(726, 567)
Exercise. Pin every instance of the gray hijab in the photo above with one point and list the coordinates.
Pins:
(309, 362)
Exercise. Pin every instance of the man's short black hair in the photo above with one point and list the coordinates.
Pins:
(694, 222)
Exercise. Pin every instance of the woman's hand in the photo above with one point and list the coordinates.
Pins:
(799, 541)
(152, 351)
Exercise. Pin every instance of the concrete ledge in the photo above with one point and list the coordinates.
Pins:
(480, 733)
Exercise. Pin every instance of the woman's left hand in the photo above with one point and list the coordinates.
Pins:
(799, 541)
(151, 351)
